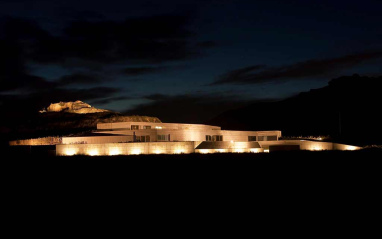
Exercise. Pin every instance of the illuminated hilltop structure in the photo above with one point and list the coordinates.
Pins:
(77, 107)
(126, 138)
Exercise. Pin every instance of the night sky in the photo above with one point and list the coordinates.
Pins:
(182, 61)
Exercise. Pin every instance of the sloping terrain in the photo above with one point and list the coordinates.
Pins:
(63, 123)
(348, 110)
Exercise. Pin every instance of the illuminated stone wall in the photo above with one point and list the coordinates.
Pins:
(309, 145)
(198, 134)
(232, 150)
(176, 126)
(38, 141)
(186, 148)
(97, 139)
(125, 148)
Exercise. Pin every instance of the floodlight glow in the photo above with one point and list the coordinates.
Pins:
(114, 151)
(179, 151)
(254, 150)
(70, 152)
(93, 152)
(349, 147)
(136, 151)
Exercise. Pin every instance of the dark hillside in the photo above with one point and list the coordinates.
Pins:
(348, 110)
(63, 123)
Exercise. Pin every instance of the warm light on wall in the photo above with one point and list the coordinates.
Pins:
(254, 150)
(204, 151)
(158, 151)
(70, 152)
(136, 151)
(93, 152)
(349, 147)
(115, 151)
(158, 127)
(179, 151)
(239, 151)
(316, 148)
(266, 150)
(219, 150)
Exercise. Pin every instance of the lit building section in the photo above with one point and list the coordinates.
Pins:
(70, 151)
(136, 151)
(93, 152)
(114, 151)
(134, 138)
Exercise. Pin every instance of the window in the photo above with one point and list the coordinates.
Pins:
(272, 137)
(208, 138)
(147, 138)
(134, 127)
(261, 138)
(163, 137)
(146, 127)
(217, 138)
(251, 138)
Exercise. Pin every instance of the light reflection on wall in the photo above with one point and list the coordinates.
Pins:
(93, 152)
(239, 151)
(351, 147)
(136, 151)
(158, 151)
(204, 151)
(255, 150)
(316, 148)
(115, 151)
(179, 151)
(70, 151)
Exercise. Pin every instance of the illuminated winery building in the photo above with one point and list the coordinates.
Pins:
(126, 138)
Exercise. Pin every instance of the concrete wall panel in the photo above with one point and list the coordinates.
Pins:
(125, 148)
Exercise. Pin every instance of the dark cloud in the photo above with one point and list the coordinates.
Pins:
(27, 104)
(14, 37)
(145, 39)
(83, 15)
(93, 44)
(24, 83)
(187, 108)
(207, 44)
(57, 95)
(300, 70)
(136, 71)
(109, 100)
(79, 79)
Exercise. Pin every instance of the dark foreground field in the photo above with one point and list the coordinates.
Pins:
(313, 182)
